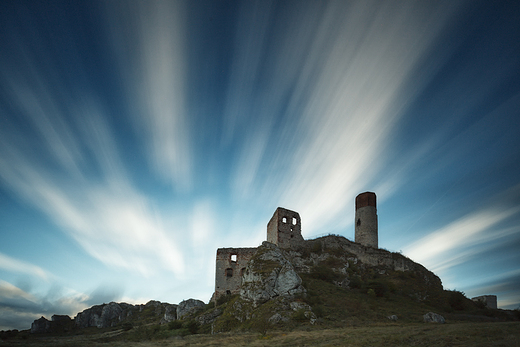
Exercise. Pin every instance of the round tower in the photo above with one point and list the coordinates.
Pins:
(366, 219)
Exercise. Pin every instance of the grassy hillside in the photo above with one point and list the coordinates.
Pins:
(347, 302)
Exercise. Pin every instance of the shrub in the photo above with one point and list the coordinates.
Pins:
(225, 298)
(379, 287)
(456, 300)
(324, 273)
(261, 324)
(192, 326)
(174, 324)
(299, 315)
(318, 310)
(356, 282)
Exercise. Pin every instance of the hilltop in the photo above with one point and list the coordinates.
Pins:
(326, 283)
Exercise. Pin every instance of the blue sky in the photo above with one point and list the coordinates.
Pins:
(136, 138)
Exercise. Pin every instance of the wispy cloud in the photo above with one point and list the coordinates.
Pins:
(18, 266)
(461, 239)
(149, 41)
(345, 69)
(109, 218)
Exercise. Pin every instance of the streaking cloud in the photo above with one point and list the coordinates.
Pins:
(148, 40)
(340, 84)
(14, 265)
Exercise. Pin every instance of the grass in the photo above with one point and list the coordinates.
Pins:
(387, 334)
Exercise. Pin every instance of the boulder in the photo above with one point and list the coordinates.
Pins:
(276, 318)
(189, 306)
(431, 317)
(393, 318)
(269, 274)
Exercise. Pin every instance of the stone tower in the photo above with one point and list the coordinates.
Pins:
(366, 219)
(285, 228)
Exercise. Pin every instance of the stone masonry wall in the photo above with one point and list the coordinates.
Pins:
(489, 300)
(230, 264)
(284, 229)
(366, 220)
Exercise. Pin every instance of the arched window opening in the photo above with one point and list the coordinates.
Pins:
(229, 272)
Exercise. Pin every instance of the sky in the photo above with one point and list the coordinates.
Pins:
(137, 137)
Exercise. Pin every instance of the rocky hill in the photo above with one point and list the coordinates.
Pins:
(329, 281)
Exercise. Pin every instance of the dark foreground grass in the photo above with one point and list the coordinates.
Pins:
(390, 334)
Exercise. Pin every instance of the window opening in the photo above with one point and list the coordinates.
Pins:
(229, 272)
(242, 271)
(294, 221)
(234, 258)
(228, 292)
(358, 222)
(284, 220)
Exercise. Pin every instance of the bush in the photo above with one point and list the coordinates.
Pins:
(324, 273)
(456, 300)
(299, 315)
(261, 324)
(379, 287)
(318, 310)
(356, 282)
(174, 324)
(225, 298)
(191, 325)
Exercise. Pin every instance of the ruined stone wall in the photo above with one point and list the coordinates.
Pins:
(366, 220)
(284, 229)
(230, 264)
(489, 300)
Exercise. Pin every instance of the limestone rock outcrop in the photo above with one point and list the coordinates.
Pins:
(41, 325)
(269, 274)
(58, 323)
(101, 316)
(187, 307)
(113, 314)
(170, 313)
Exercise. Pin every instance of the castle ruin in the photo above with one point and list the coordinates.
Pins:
(489, 301)
(285, 230)
(366, 219)
(231, 263)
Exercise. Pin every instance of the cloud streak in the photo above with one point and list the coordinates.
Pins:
(461, 239)
(148, 40)
(75, 176)
(340, 93)
(18, 266)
